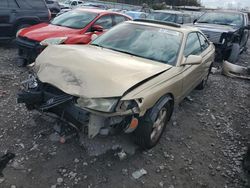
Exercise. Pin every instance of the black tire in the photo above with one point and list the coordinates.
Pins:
(203, 83)
(234, 54)
(142, 134)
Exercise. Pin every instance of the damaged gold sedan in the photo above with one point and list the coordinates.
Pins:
(127, 80)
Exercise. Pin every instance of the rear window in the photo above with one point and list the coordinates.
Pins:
(32, 4)
(162, 16)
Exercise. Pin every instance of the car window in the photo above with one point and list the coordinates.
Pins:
(193, 46)
(161, 16)
(118, 19)
(74, 3)
(3, 4)
(204, 42)
(179, 19)
(186, 19)
(105, 22)
(49, 2)
(154, 43)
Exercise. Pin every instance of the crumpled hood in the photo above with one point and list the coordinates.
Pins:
(93, 72)
(215, 27)
(43, 31)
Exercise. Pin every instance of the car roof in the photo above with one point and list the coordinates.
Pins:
(168, 25)
(100, 11)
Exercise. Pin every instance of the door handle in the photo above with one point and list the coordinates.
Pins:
(14, 11)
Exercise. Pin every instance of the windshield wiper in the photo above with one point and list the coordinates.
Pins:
(129, 53)
(97, 45)
(126, 52)
(219, 23)
(202, 22)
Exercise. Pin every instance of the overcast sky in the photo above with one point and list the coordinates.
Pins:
(224, 3)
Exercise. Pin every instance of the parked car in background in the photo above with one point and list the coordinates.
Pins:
(127, 80)
(70, 3)
(170, 16)
(91, 4)
(194, 14)
(53, 6)
(228, 30)
(136, 15)
(73, 27)
(17, 14)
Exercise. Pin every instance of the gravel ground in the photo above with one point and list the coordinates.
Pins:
(201, 147)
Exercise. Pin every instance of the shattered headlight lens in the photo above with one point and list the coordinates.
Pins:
(53, 41)
(127, 105)
(99, 104)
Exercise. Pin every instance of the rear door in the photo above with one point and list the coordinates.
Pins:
(5, 14)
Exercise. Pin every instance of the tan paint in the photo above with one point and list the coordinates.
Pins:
(93, 72)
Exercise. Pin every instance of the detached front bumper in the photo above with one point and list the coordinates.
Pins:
(235, 71)
(50, 99)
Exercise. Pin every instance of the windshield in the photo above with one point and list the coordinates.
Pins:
(222, 18)
(161, 16)
(154, 43)
(74, 19)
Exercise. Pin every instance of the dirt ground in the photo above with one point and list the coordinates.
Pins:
(201, 147)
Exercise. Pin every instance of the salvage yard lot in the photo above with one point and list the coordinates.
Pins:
(201, 147)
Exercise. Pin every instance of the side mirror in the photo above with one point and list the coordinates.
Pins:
(97, 28)
(193, 60)
(195, 20)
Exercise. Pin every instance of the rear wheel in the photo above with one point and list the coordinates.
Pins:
(149, 132)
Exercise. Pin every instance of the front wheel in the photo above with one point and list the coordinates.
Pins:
(149, 132)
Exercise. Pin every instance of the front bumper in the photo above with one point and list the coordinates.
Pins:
(235, 71)
(65, 107)
(28, 49)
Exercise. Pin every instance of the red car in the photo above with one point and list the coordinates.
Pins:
(73, 27)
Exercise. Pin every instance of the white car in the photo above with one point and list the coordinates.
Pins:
(71, 3)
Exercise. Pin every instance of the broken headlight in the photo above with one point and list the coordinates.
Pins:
(31, 82)
(99, 104)
(127, 105)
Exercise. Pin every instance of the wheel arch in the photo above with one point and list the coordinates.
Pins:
(152, 113)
